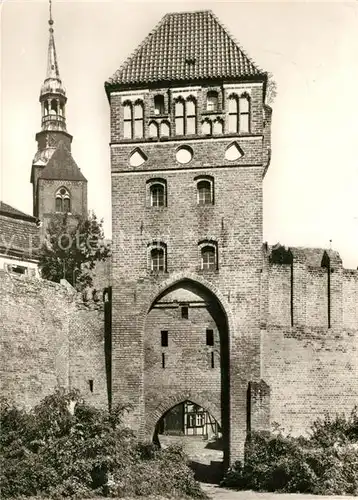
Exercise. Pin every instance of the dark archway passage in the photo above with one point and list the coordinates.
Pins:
(186, 367)
(199, 434)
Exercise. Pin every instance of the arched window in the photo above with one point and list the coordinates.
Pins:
(62, 200)
(159, 105)
(157, 257)
(153, 129)
(205, 192)
(127, 120)
(208, 257)
(164, 129)
(212, 101)
(53, 110)
(157, 195)
(179, 117)
(185, 116)
(233, 114)
(138, 119)
(218, 127)
(190, 116)
(244, 110)
(206, 127)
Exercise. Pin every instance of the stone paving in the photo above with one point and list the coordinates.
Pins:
(217, 493)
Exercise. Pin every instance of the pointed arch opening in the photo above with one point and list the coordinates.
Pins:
(194, 376)
(62, 200)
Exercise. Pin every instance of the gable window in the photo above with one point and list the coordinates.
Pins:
(190, 116)
(233, 114)
(133, 120)
(179, 118)
(206, 127)
(153, 129)
(127, 120)
(212, 101)
(185, 116)
(205, 190)
(218, 127)
(159, 105)
(208, 256)
(157, 257)
(62, 200)
(244, 109)
(138, 120)
(164, 129)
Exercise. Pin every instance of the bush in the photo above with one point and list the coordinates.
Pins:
(64, 447)
(325, 463)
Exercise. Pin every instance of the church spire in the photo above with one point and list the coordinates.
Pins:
(53, 94)
(52, 65)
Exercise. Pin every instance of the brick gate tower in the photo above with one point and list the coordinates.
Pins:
(190, 145)
(58, 184)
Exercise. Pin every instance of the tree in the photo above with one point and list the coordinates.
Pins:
(71, 249)
(271, 90)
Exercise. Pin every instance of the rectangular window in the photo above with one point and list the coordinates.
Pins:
(191, 125)
(212, 360)
(179, 118)
(163, 360)
(210, 337)
(232, 125)
(127, 129)
(164, 336)
(185, 312)
(90, 383)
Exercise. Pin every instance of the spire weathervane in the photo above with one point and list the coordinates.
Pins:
(50, 20)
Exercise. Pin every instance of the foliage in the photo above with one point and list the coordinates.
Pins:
(63, 447)
(325, 463)
(271, 90)
(72, 248)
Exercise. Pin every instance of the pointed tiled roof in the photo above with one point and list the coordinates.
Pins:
(62, 166)
(10, 211)
(186, 46)
(53, 81)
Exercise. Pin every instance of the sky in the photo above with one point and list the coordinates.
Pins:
(311, 48)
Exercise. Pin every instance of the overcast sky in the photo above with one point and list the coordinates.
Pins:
(311, 188)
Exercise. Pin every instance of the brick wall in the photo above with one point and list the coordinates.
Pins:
(49, 339)
(310, 367)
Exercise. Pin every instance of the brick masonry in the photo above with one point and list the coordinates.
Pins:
(49, 338)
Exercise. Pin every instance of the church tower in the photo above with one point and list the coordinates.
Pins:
(58, 184)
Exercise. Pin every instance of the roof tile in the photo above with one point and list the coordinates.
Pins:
(166, 52)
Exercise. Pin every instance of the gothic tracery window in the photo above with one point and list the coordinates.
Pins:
(63, 200)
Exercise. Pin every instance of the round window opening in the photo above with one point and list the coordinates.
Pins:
(63, 191)
(184, 154)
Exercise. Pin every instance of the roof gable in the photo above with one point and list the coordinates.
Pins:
(186, 46)
(62, 166)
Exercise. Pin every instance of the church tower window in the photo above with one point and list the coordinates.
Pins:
(63, 200)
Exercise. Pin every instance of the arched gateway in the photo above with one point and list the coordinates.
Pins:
(186, 360)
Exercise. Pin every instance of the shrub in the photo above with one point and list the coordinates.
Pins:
(64, 447)
(325, 463)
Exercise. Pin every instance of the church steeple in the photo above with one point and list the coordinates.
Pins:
(53, 95)
(54, 171)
